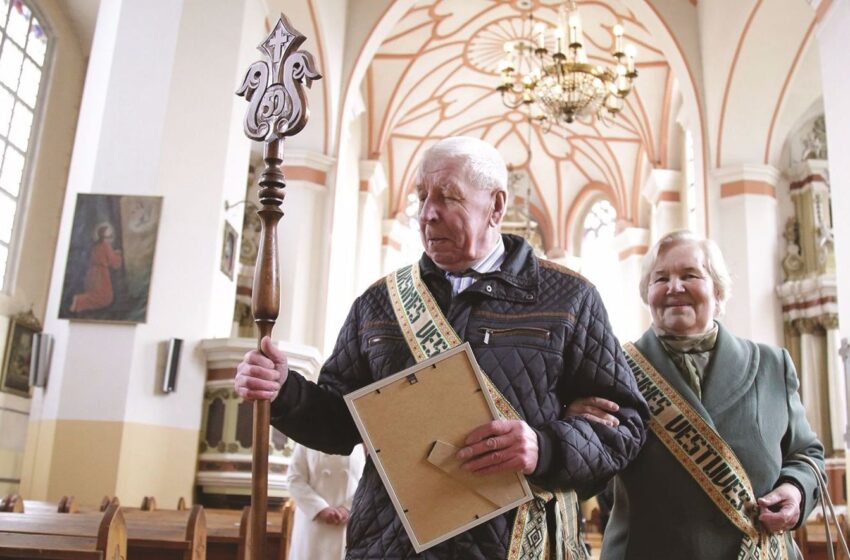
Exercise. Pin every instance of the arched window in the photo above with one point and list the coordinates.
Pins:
(599, 222)
(599, 259)
(23, 52)
(412, 210)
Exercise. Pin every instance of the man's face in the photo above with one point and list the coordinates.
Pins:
(458, 222)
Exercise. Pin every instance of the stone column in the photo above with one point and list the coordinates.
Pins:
(833, 21)
(373, 185)
(302, 238)
(663, 190)
(400, 243)
(158, 117)
(809, 301)
(747, 235)
(632, 243)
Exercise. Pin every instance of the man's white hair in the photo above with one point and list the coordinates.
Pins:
(481, 163)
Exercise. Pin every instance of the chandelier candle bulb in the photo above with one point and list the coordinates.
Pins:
(540, 31)
(631, 52)
(559, 40)
(575, 31)
(618, 40)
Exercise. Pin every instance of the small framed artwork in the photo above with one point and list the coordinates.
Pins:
(18, 355)
(228, 250)
(110, 258)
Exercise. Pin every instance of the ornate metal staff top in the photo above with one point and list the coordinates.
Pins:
(274, 87)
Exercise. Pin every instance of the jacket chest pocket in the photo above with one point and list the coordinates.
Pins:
(537, 337)
(377, 340)
(386, 352)
(501, 334)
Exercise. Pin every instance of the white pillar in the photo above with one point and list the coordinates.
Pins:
(373, 185)
(341, 218)
(302, 239)
(831, 33)
(663, 190)
(632, 243)
(748, 226)
(400, 244)
(837, 388)
(158, 118)
(814, 388)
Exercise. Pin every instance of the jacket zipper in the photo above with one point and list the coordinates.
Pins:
(378, 338)
(533, 331)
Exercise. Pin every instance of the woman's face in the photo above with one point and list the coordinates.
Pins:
(682, 296)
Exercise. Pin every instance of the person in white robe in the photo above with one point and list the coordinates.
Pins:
(323, 487)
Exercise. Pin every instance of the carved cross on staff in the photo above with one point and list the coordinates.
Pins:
(274, 88)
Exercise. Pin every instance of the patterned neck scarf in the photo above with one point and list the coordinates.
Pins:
(691, 354)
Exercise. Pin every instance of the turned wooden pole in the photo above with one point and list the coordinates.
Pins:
(277, 108)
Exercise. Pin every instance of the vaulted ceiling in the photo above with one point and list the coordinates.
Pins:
(435, 76)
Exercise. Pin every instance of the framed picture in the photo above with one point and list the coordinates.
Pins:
(228, 250)
(110, 258)
(18, 355)
(413, 423)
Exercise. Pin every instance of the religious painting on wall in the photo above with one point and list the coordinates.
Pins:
(18, 355)
(110, 258)
(228, 250)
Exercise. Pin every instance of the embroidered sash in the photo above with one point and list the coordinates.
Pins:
(428, 332)
(706, 457)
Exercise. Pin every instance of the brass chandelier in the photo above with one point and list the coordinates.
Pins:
(550, 73)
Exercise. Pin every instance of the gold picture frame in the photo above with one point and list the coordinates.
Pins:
(17, 358)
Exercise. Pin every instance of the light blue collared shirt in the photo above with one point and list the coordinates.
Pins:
(491, 262)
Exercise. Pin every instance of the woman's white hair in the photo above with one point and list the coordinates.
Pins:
(714, 263)
(481, 163)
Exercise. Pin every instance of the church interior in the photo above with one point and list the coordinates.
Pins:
(128, 198)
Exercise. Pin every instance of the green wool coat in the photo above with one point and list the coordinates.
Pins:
(750, 397)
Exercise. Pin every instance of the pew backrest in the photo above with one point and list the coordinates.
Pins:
(167, 533)
(60, 535)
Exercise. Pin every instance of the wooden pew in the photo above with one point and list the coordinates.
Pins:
(811, 536)
(148, 503)
(60, 536)
(12, 503)
(227, 533)
(66, 504)
(166, 534)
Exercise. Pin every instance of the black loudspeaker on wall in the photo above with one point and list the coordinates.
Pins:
(172, 361)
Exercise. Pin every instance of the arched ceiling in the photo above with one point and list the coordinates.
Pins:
(435, 74)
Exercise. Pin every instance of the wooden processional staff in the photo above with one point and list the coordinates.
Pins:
(274, 88)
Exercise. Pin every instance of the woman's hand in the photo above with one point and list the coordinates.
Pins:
(595, 409)
(330, 515)
(780, 509)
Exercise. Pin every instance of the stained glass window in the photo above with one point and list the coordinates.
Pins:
(23, 48)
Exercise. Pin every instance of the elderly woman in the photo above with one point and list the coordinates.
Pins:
(720, 475)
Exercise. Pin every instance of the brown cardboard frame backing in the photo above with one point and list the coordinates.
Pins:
(401, 419)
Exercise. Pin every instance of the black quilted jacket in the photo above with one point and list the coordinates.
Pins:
(539, 331)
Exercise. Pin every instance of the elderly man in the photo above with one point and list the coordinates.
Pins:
(538, 330)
